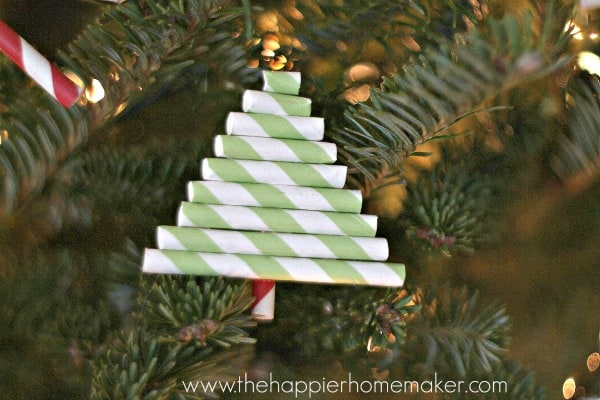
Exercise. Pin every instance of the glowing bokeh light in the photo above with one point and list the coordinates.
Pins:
(95, 92)
(569, 387)
(589, 62)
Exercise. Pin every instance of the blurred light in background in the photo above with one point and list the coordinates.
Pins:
(95, 92)
(589, 62)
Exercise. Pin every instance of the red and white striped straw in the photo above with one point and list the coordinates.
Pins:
(263, 308)
(37, 67)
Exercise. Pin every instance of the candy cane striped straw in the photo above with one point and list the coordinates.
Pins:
(263, 308)
(37, 67)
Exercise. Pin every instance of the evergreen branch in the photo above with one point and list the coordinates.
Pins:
(142, 44)
(56, 309)
(122, 191)
(185, 332)
(142, 367)
(331, 323)
(578, 158)
(326, 24)
(521, 383)
(448, 208)
(456, 337)
(440, 86)
(36, 132)
(139, 189)
(135, 46)
(208, 314)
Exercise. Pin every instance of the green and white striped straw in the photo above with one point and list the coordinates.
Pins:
(275, 220)
(274, 172)
(255, 148)
(274, 196)
(255, 101)
(281, 82)
(272, 243)
(275, 126)
(276, 268)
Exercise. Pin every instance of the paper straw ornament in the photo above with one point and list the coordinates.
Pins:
(275, 172)
(275, 220)
(271, 243)
(271, 206)
(34, 64)
(290, 269)
(253, 148)
(276, 82)
(275, 103)
(275, 126)
(274, 196)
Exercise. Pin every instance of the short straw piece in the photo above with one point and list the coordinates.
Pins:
(281, 82)
(272, 243)
(274, 268)
(263, 308)
(268, 149)
(274, 172)
(275, 103)
(275, 196)
(275, 220)
(275, 126)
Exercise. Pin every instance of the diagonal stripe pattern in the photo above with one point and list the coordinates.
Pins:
(275, 220)
(34, 64)
(272, 243)
(254, 148)
(275, 268)
(288, 83)
(275, 172)
(274, 196)
(275, 126)
(275, 103)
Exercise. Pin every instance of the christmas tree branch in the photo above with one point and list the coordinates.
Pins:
(399, 25)
(57, 309)
(123, 194)
(455, 336)
(448, 209)
(439, 87)
(135, 47)
(341, 323)
(578, 160)
(185, 332)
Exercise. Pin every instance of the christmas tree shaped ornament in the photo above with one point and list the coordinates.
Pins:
(271, 206)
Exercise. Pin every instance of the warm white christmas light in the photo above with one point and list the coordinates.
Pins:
(569, 388)
(3, 136)
(589, 62)
(95, 92)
